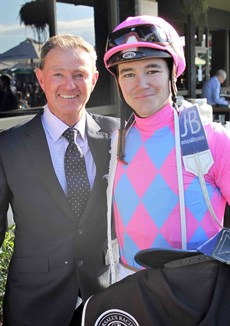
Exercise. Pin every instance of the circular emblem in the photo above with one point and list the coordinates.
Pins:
(129, 55)
(116, 317)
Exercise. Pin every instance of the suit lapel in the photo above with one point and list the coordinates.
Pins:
(39, 155)
(99, 144)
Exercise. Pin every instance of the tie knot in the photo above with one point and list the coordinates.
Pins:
(69, 135)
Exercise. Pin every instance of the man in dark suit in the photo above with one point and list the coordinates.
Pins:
(58, 260)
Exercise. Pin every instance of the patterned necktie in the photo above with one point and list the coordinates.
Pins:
(76, 176)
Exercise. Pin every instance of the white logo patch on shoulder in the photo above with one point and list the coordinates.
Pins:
(116, 317)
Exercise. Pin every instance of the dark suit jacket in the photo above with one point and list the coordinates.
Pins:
(54, 256)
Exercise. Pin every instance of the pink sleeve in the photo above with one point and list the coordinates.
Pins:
(219, 144)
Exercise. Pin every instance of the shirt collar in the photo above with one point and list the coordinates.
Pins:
(55, 127)
(80, 126)
(163, 117)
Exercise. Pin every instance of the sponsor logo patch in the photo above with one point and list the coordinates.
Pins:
(116, 317)
(129, 55)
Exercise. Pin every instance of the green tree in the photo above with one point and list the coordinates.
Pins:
(6, 252)
(35, 15)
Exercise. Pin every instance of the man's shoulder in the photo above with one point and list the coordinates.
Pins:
(108, 124)
(18, 129)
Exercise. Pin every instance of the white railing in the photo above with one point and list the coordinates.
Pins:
(8, 122)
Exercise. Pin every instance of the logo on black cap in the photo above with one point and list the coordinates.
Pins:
(116, 317)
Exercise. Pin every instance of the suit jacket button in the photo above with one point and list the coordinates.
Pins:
(80, 263)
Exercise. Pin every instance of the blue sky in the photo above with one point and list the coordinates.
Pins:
(70, 19)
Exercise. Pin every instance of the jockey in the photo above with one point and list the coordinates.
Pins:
(171, 181)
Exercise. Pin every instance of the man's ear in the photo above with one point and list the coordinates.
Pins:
(39, 75)
(94, 79)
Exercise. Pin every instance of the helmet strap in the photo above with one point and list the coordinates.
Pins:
(125, 111)
(121, 139)
(173, 84)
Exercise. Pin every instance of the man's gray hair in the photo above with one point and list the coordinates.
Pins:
(67, 41)
(221, 73)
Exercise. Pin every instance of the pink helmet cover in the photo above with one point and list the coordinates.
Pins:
(174, 48)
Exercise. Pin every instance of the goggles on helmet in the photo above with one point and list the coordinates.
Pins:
(143, 33)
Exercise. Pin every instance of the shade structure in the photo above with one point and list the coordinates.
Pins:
(22, 69)
(26, 50)
(16, 68)
(6, 65)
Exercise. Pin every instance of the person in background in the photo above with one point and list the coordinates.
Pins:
(162, 195)
(8, 99)
(59, 257)
(212, 88)
(22, 104)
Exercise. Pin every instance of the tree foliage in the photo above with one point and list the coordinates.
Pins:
(6, 252)
(35, 15)
(197, 9)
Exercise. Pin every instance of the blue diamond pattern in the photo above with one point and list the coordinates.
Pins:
(157, 208)
(192, 193)
(157, 149)
(131, 148)
(160, 242)
(127, 203)
(198, 234)
(131, 249)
